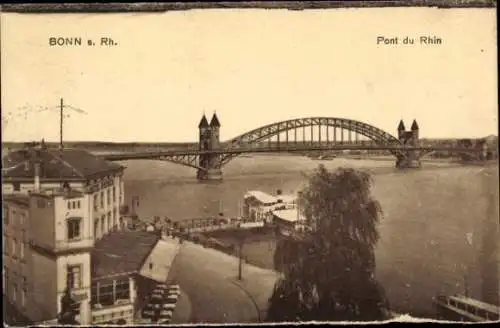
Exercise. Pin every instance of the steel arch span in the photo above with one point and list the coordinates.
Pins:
(375, 134)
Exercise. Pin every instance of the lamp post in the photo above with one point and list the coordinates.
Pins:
(240, 235)
(468, 237)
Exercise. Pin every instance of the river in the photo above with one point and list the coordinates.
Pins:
(423, 249)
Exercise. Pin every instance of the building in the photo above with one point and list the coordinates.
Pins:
(47, 250)
(16, 273)
(54, 252)
(61, 231)
(117, 286)
(258, 205)
(287, 220)
(77, 169)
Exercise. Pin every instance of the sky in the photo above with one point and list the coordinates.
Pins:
(253, 67)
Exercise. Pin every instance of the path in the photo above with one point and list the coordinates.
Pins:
(209, 279)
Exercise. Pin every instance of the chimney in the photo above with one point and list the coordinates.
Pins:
(66, 187)
(37, 176)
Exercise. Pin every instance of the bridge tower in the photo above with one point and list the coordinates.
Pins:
(410, 158)
(209, 139)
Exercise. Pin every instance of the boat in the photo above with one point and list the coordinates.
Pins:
(462, 308)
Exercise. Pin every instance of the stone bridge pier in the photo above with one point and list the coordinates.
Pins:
(210, 164)
(409, 158)
(211, 168)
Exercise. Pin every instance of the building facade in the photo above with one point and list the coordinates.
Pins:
(78, 170)
(56, 207)
(16, 260)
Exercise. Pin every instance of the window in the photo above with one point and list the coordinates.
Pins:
(23, 297)
(4, 276)
(108, 193)
(78, 204)
(69, 205)
(96, 201)
(74, 276)
(114, 194)
(6, 214)
(23, 218)
(13, 247)
(96, 228)
(110, 224)
(122, 290)
(14, 292)
(102, 199)
(106, 294)
(16, 186)
(103, 227)
(73, 225)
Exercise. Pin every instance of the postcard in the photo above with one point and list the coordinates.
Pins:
(250, 163)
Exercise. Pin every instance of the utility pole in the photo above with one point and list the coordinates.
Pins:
(61, 126)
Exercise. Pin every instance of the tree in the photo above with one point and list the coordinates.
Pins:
(328, 270)
(69, 309)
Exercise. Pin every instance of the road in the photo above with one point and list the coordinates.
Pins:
(208, 277)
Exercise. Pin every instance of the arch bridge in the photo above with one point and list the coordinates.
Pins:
(327, 135)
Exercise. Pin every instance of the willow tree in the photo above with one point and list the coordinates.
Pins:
(328, 270)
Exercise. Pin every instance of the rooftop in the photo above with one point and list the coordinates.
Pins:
(68, 164)
(158, 263)
(261, 196)
(287, 198)
(55, 192)
(290, 215)
(22, 200)
(121, 253)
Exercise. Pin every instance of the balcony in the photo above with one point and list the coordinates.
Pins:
(113, 313)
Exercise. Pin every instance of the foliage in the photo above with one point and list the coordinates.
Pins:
(328, 271)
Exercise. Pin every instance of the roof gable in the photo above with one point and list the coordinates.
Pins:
(68, 164)
(121, 252)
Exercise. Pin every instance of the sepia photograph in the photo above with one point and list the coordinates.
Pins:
(268, 162)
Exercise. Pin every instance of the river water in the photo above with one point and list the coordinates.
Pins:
(423, 249)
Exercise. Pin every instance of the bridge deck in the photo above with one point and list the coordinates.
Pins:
(281, 148)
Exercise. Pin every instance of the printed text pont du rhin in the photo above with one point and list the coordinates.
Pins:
(422, 40)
